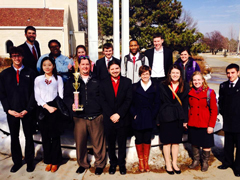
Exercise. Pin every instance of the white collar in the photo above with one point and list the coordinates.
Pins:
(146, 86)
(160, 51)
(137, 55)
(19, 68)
(234, 82)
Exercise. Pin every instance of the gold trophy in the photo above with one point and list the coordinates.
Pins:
(76, 85)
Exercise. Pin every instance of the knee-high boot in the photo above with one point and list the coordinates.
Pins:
(139, 148)
(196, 157)
(146, 151)
(205, 158)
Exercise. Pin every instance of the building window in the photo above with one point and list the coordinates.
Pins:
(9, 44)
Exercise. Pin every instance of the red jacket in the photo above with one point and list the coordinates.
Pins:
(199, 114)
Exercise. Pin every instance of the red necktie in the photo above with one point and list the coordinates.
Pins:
(134, 60)
(34, 53)
(17, 76)
(108, 62)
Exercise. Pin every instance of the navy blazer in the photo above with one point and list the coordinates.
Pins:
(167, 57)
(29, 59)
(100, 70)
(120, 104)
(145, 106)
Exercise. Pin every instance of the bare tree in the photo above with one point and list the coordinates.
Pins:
(186, 17)
(215, 41)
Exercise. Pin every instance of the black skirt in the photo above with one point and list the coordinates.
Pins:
(171, 132)
(199, 137)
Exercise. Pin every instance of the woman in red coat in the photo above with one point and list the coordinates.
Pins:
(202, 118)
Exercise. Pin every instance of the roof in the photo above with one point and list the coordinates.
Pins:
(31, 17)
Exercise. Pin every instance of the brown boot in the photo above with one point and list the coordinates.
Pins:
(139, 148)
(146, 150)
(205, 158)
(196, 157)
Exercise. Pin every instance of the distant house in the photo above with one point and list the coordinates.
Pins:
(53, 19)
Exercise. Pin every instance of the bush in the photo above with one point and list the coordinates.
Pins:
(5, 63)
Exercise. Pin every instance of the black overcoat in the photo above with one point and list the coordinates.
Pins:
(145, 106)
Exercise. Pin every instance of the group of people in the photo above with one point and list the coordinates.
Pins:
(118, 97)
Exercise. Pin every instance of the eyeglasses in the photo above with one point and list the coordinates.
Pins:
(16, 56)
(83, 57)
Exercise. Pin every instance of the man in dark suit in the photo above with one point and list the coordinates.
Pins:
(160, 59)
(17, 98)
(116, 96)
(100, 68)
(30, 48)
(229, 103)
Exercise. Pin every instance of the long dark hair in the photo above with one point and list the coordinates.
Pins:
(169, 79)
(54, 71)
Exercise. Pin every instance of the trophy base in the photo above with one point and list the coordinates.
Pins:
(79, 109)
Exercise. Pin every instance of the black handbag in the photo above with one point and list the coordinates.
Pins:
(62, 106)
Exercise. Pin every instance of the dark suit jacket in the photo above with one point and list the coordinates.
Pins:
(120, 104)
(229, 103)
(29, 59)
(167, 57)
(100, 69)
(15, 96)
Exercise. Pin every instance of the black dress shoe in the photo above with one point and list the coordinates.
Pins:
(169, 172)
(112, 169)
(15, 168)
(98, 171)
(237, 174)
(30, 167)
(222, 167)
(177, 171)
(80, 170)
(122, 170)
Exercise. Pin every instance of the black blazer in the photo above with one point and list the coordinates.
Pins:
(29, 59)
(100, 69)
(15, 96)
(167, 57)
(229, 103)
(120, 104)
(170, 109)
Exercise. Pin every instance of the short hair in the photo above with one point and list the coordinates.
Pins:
(231, 66)
(185, 49)
(205, 85)
(15, 50)
(29, 28)
(133, 40)
(107, 46)
(81, 46)
(55, 41)
(143, 69)
(114, 61)
(52, 60)
(157, 35)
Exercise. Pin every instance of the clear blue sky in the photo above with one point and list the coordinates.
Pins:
(220, 15)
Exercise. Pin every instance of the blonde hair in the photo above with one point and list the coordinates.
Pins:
(205, 85)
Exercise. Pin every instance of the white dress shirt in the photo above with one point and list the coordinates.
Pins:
(234, 82)
(30, 47)
(158, 64)
(47, 92)
(106, 61)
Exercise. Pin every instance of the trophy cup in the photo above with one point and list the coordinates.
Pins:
(76, 85)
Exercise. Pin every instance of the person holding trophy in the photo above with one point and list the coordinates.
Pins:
(81, 94)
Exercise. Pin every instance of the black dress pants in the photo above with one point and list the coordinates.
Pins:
(120, 135)
(51, 141)
(230, 140)
(14, 127)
